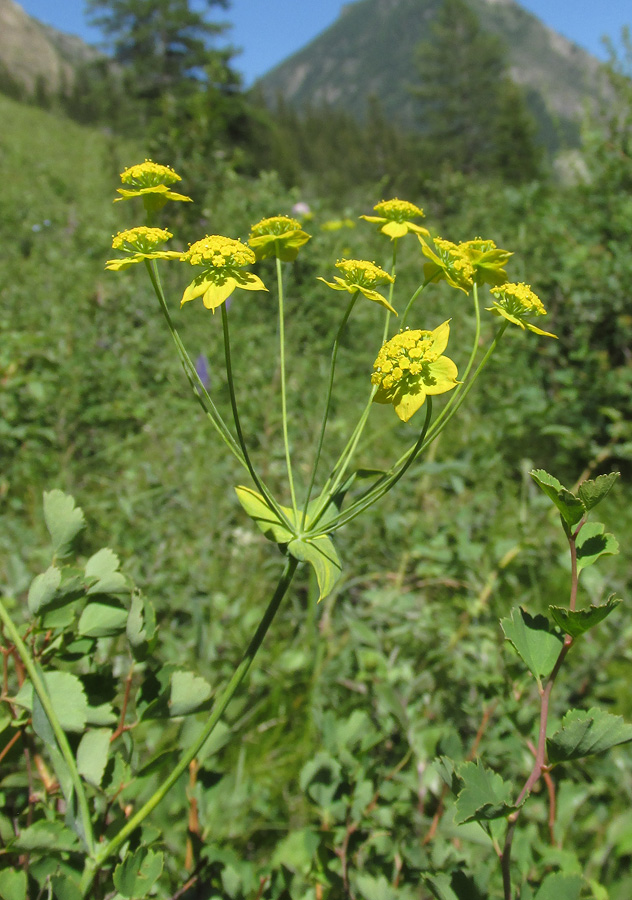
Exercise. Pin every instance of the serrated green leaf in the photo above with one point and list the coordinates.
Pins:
(570, 507)
(13, 884)
(64, 520)
(592, 543)
(67, 696)
(189, 693)
(560, 887)
(321, 554)
(297, 850)
(484, 795)
(102, 572)
(592, 492)
(102, 620)
(43, 589)
(92, 754)
(265, 519)
(141, 622)
(45, 835)
(533, 640)
(579, 621)
(135, 876)
(586, 733)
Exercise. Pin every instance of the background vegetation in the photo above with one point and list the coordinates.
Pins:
(328, 787)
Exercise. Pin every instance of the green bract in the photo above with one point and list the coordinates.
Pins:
(278, 236)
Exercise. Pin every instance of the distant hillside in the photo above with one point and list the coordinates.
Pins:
(35, 56)
(370, 50)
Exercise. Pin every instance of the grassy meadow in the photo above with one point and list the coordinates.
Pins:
(351, 700)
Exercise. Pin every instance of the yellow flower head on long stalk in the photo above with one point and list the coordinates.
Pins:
(487, 260)
(394, 218)
(141, 243)
(517, 303)
(150, 181)
(363, 276)
(410, 366)
(448, 262)
(279, 236)
(223, 260)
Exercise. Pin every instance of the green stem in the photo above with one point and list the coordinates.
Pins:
(218, 710)
(332, 370)
(384, 484)
(286, 441)
(39, 686)
(199, 390)
(461, 392)
(411, 301)
(267, 496)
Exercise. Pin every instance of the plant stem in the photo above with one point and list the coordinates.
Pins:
(222, 702)
(411, 301)
(199, 390)
(267, 496)
(286, 441)
(332, 371)
(39, 686)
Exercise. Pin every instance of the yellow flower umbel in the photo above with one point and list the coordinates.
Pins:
(360, 275)
(223, 259)
(141, 243)
(393, 217)
(450, 263)
(517, 303)
(278, 236)
(410, 366)
(487, 261)
(150, 181)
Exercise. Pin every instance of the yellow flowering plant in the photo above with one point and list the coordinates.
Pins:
(407, 368)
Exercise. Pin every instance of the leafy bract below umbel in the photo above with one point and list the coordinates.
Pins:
(484, 795)
(587, 733)
(533, 640)
(317, 550)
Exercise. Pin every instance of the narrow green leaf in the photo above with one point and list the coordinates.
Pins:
(63, 519)
(592, 543)
(265, 519)
(592, 492)
(92, 754)
(533, 640)
(579, 621)
(141, 622)
(484, 795)
(13, 884)
(43, 589)
(571, 507)
(102, 572)
(321, 554)
(586, 733)
(102, 620)
(560, 887)
(189, 693)
(138, 872)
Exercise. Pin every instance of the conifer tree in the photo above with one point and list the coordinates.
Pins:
(473, 117)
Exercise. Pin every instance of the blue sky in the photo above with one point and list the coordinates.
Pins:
(269, 30)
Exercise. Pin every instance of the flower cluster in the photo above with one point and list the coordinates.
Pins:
(517, 303)
(150, 181)
(393, 217)
(487, 260)
(278, 236)
(223, 259)
(142, 243)
(450, 263)
(363, 276)
(410, 366)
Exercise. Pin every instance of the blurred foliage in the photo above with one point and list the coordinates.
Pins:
(330, 787)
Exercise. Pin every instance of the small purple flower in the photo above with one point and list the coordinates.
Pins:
(301, 209)
(201, 367)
